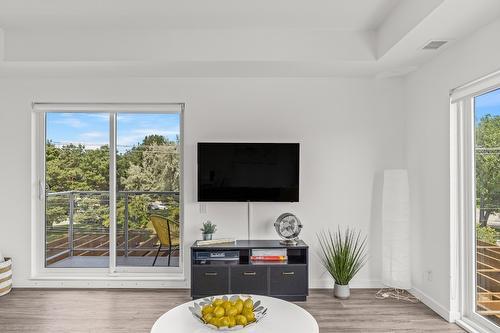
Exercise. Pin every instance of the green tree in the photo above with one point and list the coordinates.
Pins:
(72, 167)
(134, 156)
(486, 234)
(75, 168)
(158, 169)
(152, 165)
(155, 139)
(488, 167)
(138, 211)
(92, 210)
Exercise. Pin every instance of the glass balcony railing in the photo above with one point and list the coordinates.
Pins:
(77, 228)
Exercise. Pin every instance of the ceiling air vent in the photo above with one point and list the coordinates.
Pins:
(434, 44)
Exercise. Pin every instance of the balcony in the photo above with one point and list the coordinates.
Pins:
(77, 229)
(488, 280)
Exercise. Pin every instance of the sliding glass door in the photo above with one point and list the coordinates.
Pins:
(475, 203)
(89, 223)
(486, 109)
(148, 170)
(77, 190)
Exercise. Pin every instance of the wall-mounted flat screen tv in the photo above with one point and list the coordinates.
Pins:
(248, 172)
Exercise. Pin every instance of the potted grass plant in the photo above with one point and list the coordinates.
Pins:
(208, 230)
(343, 254)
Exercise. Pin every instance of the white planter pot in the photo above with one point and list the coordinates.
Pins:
(342, 292)
(5, 276)
(207, 236)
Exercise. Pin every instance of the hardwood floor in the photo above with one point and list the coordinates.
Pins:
(135, 311)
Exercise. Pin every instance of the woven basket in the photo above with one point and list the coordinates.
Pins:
(5, 276)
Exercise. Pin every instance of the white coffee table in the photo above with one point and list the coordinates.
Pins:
(282, 317)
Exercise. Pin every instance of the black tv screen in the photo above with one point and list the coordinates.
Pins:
(248, 171)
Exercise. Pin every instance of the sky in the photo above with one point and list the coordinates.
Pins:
(488, 103)
(92, 129)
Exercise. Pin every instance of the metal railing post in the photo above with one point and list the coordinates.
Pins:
(125, 223)
(70, 227)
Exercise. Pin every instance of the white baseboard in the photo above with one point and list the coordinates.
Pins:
(101, 285)
(99, 282)
(434, 305)
(454, 316)
(355, 284)
(94, 282)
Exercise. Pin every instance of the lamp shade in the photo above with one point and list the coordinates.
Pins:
(396, 230)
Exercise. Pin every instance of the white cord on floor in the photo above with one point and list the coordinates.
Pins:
(399, 294)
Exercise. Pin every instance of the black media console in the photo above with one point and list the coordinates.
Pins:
(227, 269)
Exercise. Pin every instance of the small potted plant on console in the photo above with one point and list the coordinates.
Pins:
(208, 230)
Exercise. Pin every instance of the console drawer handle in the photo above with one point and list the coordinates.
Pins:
(249, 273)
(210, 273)
(288, 273)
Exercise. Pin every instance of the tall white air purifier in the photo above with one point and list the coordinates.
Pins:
(396, 259)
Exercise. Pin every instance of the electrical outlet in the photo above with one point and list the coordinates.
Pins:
(429, 275)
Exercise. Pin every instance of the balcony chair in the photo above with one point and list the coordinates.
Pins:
(167, 232)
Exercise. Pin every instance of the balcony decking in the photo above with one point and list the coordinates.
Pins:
(91, 249)
(488, 281)
(103, 262)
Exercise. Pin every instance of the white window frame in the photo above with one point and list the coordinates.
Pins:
(113, 272)
(462, 204)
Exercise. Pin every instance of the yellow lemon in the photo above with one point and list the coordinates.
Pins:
(232, 321)
(224, 321)
(250, 317)
(219, 311)
(207, 317)
(214, 321)
(239, 306)
(232, 311)
(207, 309)
(241, 320)
(246, 311)
(218, 302)
(248, 304)
(226, 305)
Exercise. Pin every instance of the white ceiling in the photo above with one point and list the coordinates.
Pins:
(193, 14)
(230, 37)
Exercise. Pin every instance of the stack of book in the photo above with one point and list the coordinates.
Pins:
(268, 256)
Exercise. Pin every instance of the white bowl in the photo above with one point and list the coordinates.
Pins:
(259, 311)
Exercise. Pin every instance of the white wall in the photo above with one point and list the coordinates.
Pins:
(428, 149)
(349, 130)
